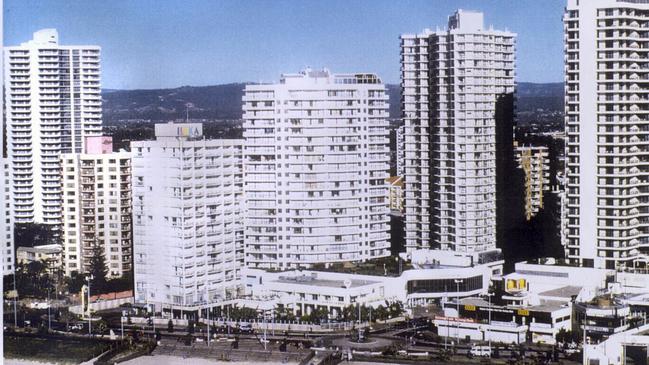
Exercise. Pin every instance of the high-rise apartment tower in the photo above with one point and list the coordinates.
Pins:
(457, 98)
(316, 159)
(97, 208)
(187, 218)
(53, 101)
(607, 129)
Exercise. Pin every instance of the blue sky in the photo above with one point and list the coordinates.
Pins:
(165, 43)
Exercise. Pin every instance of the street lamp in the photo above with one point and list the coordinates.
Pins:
(88, 279)
(489, 295)
(49, 312)
(457, 285)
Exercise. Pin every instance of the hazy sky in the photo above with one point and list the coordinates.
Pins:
(165, 43)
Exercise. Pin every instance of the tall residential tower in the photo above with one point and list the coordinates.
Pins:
(187, 218)
(607, 129)
(53, 101)
(457, 93)
(97, 207)
(316, 160)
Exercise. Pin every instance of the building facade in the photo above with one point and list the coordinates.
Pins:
(606, 116)
(50, 255)
(432, 278)
(97, 207)
(456, 85)
(316, 155)
(187, 218)
(6, 217)
(400, 141)
(534, 162)
(53, 101)
(395, 194)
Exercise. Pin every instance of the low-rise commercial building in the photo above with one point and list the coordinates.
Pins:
(434, 275)
(481, 320)
(628, 347)
(601, 317)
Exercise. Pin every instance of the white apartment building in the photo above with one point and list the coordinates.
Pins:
(534, 162)
(316, 157)
(395, 194)
(453, 82)
(6, 217)
(53, 100)
(97, 207)
(51, 255)
(607, 127)
(400, 134)
(187, 217)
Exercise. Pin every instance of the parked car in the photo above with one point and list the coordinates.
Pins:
(76, 327)
(480, 351)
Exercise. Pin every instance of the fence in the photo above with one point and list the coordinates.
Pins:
(296, 326)
(103, 305)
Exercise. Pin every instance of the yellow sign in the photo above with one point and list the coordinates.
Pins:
(523, 312)
(469, 307)
(514, 285)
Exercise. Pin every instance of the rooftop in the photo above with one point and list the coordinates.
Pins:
(395, 180)
(313, 280)
(324, 76)
(562, 292)
(53, 248)
(384, 266)
(547, 306)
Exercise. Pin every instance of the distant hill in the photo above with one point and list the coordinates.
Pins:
(394, 93)
(224, 101)
(204, 102)
(531, 96)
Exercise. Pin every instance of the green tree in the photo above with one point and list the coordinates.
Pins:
(318, 315)
(33, 279)
(101, 327)
(395, 309)
(123, 283)
(98, 269)
(380, 313)
(350, 313)
(170, 326)
(32, 234)
(74, 282)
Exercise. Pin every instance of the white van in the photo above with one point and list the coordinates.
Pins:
(480, 351)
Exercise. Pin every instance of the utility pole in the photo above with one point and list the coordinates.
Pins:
(208, 326)
(89, 278)
(585, 322)
(489, 295)
(457, 333)
(49, 312)
(448, 323)
(15, 299)
(265, 330)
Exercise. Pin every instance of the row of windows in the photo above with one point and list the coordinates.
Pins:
(444, 285)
